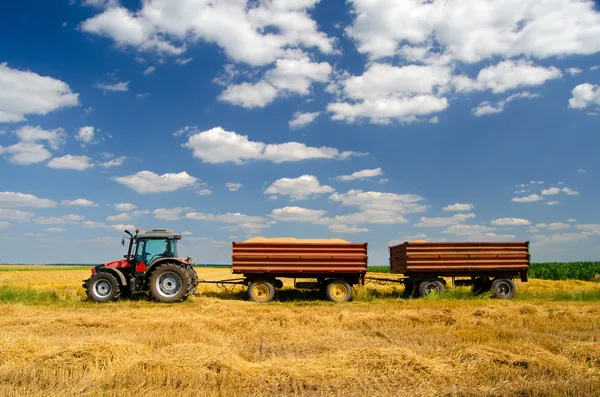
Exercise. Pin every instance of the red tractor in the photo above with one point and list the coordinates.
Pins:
(151, 264)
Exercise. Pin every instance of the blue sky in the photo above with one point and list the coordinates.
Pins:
(372, 121)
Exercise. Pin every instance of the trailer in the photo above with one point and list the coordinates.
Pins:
(332, 266)
(483, 265)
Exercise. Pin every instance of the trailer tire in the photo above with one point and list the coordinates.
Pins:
(428, 286)
(170, 283)
(261, 291)
(503, 288)
(338, 291)
(103, 287)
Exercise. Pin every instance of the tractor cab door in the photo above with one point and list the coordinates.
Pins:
(149, 250)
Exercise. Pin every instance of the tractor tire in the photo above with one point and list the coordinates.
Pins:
(170, 283)
(261, 291)
(103, 287)
(503, 288)
(194, 277)
(338, 291)
(428, 286)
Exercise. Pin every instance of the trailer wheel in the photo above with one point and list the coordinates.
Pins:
(503, 288)
(170, 283)
(428, 286)
(338, 291)
(103, 287)
(261, 291)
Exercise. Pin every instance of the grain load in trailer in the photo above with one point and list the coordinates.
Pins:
(484, 265)
(332, 265)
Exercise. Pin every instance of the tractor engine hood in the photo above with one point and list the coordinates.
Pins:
(118, 264)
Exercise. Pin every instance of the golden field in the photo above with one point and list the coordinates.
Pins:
(546, 342)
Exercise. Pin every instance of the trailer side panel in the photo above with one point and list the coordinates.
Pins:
(299, 259)
(452, 258)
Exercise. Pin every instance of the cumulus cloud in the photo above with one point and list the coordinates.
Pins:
(459, 207)
(166, 27)
(486, 107)
(511, 222)
(148, 182)
(26, 153)
(550, 191)
(116, 162)
(527, 199)
(477, 233)
(125, 207)
(219, 146)
(85, 135)
(296, 214)
(531, 29)
(15, 215)
(300, 188)
(443, 221)
(301, 119)
(26, 92)
(30, 134)
(342, 228)
(570, 191)
(170, 214)
(233, 187)
(362, 174)
(79, 203)
(584, 95)
(121, 86)
(70, 162)
(20, 200)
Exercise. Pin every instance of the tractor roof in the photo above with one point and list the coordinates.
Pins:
(160, 233)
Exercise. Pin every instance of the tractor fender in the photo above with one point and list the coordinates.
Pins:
(114, 272)
(160, 261)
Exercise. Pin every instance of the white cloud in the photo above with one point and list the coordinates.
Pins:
(170, 214)
(15, 215)
(119, 218)
(486, 107)
(183, 61)
(69, 162)
(78, 203)
(536, 182)
(143, 96)
(25, 153)
(219, 146)
(125, 207)
(459, 207)
(233, 187)
(54, 230)
(384, 93)
(581, 171)
(507, 75)
(560, 238)
(443, 221)
(301, 119)
(341, 228)
(527, 199)
(369, 216)
(551, 191)
(237, 27)
(148, 182)
(511, 222)
(121, 86)
(589, 227)
(569, 191)
(21, 200)
(100, 3)
(379, 201)
(65, 219)
(85, 135)
(55, 138)
(362, 174)
(116, 162)
(4, 224)
(473, 31)
(584, 95)
(300, 188)
(573, 71)
(249, 95)
(553, 202)
(149, 70)
(204, 192)
(26, 92)
(477, 233)
(296, 214)
(232, 218)
(552, 226)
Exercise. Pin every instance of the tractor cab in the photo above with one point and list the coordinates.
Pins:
(151, 264)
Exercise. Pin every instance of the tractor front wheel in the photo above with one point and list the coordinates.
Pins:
(170, 283)
(103, 287)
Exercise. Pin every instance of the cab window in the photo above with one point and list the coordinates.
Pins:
(148, 250)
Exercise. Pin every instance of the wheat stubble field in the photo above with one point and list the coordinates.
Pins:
(546, 342)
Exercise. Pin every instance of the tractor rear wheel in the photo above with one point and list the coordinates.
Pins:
(170, 283)
(103, 287)
(194, 277)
